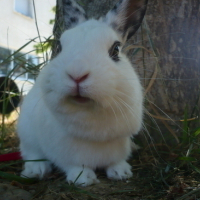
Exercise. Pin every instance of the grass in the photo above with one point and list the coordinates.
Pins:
(26, 68)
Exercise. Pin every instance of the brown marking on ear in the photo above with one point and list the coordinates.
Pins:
(126, 17)
(135, 13)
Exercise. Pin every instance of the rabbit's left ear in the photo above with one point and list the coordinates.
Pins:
(73, 13)
(126, 16)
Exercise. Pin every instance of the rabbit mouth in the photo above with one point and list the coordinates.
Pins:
(81, 99)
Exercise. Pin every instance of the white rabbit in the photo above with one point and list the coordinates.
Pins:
(87, 102)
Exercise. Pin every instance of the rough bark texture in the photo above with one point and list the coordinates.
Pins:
(174, 29)
(171, 56)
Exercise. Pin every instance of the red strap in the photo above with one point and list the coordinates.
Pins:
(10, 156)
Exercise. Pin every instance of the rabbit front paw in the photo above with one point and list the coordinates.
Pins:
(81, 176)
(37, 169)
(119, 171)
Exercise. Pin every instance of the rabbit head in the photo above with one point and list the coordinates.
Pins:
(91, 74)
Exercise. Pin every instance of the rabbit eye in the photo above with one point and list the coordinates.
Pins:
(114, 51)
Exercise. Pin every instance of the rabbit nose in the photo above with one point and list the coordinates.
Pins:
(79, 79)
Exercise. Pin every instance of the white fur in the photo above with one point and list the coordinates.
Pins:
(80, 137)
(119, 171)
(81, 176)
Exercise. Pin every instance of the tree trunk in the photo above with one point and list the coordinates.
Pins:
(174, 29)
(167, 56)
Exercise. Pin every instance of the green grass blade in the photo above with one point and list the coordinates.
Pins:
(185, 158)
(20, 161)
(13, 177)
(17, 51)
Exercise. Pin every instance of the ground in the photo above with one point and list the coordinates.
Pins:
(160, 174)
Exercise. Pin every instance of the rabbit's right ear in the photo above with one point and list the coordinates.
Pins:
(73, 13)
(126, 16)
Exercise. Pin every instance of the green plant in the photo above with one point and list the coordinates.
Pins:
(22, 66)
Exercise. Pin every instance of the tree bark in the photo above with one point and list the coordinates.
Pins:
(174, 29)
(167, 56)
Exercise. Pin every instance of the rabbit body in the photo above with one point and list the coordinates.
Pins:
(83, 109)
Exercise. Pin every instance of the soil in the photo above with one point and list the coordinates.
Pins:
(149, 182)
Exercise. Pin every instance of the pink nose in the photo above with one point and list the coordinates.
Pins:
(79, 79)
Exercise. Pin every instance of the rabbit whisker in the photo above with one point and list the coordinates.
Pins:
(143, 125)
(122, 112)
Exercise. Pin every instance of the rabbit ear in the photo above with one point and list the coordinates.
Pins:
(73, 13)
(126, 16)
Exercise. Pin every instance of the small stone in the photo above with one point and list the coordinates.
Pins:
(9, 192)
